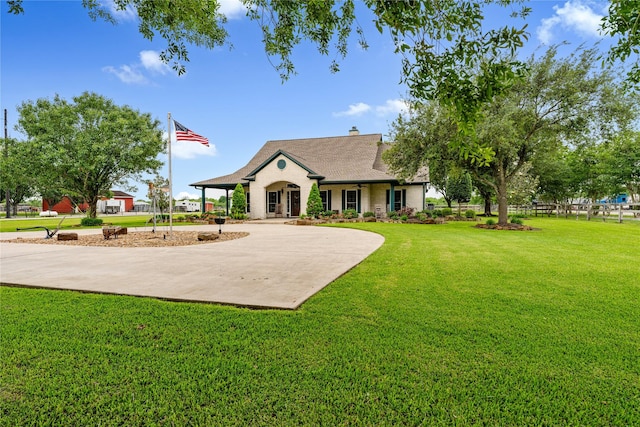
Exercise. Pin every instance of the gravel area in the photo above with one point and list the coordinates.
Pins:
(143, 239)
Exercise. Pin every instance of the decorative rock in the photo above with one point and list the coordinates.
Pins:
(305, 222)
(208, 236)
(67, 236)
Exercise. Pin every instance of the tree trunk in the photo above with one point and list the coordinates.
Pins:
(487, 205)
(503, 206)
(93, 207)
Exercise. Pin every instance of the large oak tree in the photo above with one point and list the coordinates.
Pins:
(562, 101)
(89, 145)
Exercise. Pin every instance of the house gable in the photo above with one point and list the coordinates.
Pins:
(279, 156)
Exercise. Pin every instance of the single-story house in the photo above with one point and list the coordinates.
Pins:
(349, 171)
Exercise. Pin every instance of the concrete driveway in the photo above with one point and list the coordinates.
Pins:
(276, 266)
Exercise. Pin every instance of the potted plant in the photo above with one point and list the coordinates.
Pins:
(219, 217)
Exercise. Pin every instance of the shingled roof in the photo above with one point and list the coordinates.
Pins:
(332, 159)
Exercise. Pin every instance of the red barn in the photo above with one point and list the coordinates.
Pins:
(67, 205)
(128, 199)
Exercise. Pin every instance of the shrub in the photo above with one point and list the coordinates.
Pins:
(516, 221)
(350, 213)
(314, 203)
(393, 215)
(470, 213)
(179, 218)
(404, 217)
(90, 222)
(239, 216)
(437, 213)
(368, 214)
(422, 216)
(447, 211)
(405, 211)
(238, 202)
(490, 222)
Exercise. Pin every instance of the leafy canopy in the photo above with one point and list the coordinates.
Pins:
(89, 145)
(447, 53)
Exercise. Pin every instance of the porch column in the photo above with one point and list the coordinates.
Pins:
(392, 198)
(204, 202)
(227, 190)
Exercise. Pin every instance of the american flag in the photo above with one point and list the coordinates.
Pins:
(184, 134)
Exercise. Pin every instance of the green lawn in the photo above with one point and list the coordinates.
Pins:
(72, 222)
(443, 325)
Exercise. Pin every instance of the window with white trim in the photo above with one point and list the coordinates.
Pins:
(326, 200)
(351, 200)
(272, 201)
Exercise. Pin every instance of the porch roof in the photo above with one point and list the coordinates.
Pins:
(353, 158)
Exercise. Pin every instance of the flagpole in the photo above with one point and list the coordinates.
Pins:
(170, 184)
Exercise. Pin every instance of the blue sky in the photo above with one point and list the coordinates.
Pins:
(233, 96)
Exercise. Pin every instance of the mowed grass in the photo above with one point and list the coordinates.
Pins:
(73, 222)
(443, 325)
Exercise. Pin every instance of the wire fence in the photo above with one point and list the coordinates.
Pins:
(588, 210)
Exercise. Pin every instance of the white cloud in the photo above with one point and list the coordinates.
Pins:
(354, 110)
(186, 195)
(232, 9)
(191, 150)
(150, 60)
(392, 107)
(127, 74)
(127, 14)
(133, 73)
(578, 16)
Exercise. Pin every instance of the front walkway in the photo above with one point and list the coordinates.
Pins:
(276, 266)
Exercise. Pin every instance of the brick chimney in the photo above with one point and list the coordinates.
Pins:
(354, 131)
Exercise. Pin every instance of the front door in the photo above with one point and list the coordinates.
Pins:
(295, 203)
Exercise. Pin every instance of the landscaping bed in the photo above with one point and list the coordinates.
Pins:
(135, 240)
(509, 226)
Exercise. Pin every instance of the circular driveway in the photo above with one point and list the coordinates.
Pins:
(276, 266)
